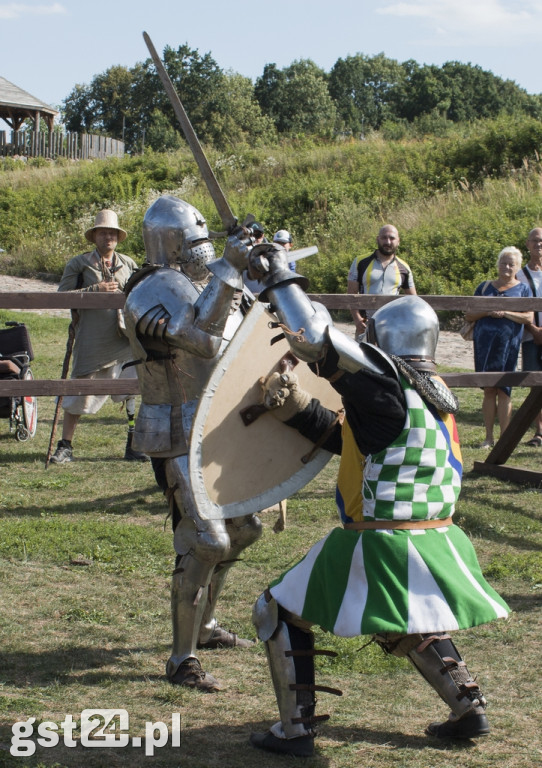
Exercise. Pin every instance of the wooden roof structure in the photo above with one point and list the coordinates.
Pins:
(17, 105)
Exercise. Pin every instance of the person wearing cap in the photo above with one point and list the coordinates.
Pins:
(257, 234)
(100, 349)
(285, 239)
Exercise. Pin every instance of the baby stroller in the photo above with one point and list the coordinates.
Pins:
(15, 356)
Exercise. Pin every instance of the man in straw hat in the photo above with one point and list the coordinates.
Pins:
(99, 349)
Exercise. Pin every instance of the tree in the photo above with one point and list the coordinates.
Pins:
(269, 92)
(363, 89)
(76, 110)
(461, 93)
(424, 92)
(104, 106)
(237, 116)
(133, 103)
(111, 95)
(160, 134)
(297, 98)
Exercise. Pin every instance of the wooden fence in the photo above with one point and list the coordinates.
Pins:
(497, 457)
(53, 144)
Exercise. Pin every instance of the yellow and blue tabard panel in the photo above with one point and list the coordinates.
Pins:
(350, 478)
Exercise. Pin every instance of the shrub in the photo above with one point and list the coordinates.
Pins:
(457, 200)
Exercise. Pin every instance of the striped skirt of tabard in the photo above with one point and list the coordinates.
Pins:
(364, 582)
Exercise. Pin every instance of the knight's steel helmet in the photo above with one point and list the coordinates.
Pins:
(176, 235)
(406, 327)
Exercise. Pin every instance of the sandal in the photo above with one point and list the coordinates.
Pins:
(535, 441)
(487, 445)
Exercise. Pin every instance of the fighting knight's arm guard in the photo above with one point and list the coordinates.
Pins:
(212, 308)
(308, 325)
(175, 314)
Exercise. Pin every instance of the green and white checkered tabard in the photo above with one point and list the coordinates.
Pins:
(413, 478)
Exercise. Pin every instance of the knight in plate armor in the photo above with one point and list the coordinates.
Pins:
(398, 569)
(177, 330)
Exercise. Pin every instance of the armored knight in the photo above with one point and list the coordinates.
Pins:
(398, 569)
(177, 330)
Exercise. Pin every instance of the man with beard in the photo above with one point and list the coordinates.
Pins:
(383, 272)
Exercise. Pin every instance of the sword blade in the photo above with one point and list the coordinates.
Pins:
(302, 253)
(224, 211)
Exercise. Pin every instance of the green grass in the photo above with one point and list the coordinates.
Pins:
(76, 636)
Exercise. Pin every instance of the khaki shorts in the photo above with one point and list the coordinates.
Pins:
(80, 404)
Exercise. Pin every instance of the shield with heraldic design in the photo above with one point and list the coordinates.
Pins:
(237, 469)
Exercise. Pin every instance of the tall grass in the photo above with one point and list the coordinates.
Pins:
(457, 200)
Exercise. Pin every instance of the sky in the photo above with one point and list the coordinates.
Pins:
(46, 48)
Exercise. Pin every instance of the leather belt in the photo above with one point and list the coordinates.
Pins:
(401, 525)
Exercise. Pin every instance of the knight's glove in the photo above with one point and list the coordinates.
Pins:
(282, 395)
(265, 259)
(234, 260)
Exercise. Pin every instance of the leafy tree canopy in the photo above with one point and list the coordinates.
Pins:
(361, 93)
(133, 104)
(297, 98)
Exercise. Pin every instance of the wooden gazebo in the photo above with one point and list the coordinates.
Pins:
(17, 105)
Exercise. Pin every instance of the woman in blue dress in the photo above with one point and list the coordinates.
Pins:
(497, 338)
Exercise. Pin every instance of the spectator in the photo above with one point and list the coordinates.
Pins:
(497, 336)
(285, 239)
(100, 349)
(383, 272)
(258, 236)
(531, 347)
(258, 232)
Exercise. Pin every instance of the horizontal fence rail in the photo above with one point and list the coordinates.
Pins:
(493, 464)
(448, 303)
(96, 300)
(53, 387)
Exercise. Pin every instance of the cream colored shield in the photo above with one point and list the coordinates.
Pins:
(236, 469)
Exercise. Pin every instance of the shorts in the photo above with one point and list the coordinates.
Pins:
(531, 358)
(80, 404)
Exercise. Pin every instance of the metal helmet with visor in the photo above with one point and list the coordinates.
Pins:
(176, 235)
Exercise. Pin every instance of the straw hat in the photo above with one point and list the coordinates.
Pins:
(106, 219)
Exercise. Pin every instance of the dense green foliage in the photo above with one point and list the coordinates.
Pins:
(359, 94)
(456, 199)
(132, 104)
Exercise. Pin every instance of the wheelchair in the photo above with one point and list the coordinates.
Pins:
(15, 356)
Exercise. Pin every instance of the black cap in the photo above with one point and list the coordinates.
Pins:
(257, 228)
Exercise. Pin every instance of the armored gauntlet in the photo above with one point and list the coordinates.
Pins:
(283, 396)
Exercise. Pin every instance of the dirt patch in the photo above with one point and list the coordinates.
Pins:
(9, 284)
(452, 350)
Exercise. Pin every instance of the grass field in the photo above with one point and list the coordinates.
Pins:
(85, 561)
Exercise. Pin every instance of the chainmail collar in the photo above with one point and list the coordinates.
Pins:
(431, 389)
